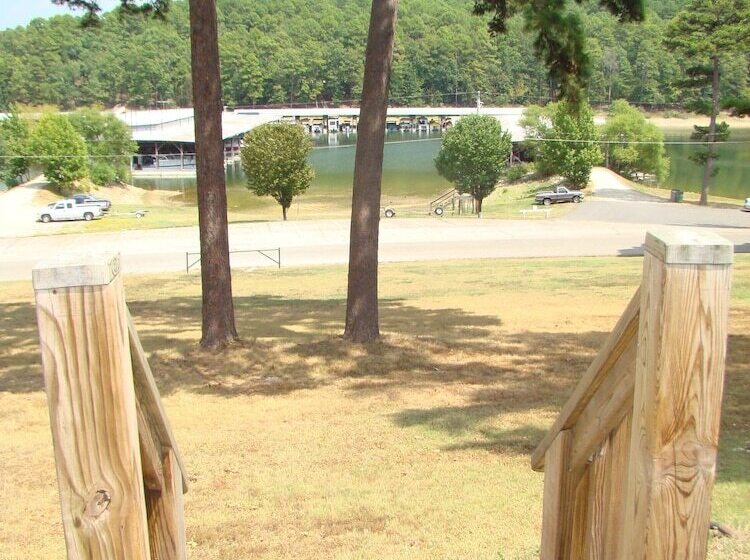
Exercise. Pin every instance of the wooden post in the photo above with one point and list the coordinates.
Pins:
(83, 334)
(166, 522)
(559, 500)
(678, 391)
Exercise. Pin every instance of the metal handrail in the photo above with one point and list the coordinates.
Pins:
(277, 260)
(443, 199)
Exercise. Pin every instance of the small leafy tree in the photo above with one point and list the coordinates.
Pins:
(59, 149)
(109, 144)
(474, 155)
(274, 158)
(14, 139)
(627, 124)
(565, 140)
(537, 125)
(737, 106)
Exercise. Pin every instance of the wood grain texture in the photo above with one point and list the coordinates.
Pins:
(608, 356)
(149, 401)
(597, 501)
(166, 520)
(677, 405)
(611, 402)
(689, 246)
(576, 514)
(616, 472)
(153, 473)
(74, 270)
(559, 500)
(87, 369)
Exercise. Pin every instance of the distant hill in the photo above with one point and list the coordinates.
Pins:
(303, 51)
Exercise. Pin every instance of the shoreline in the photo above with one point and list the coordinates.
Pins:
(691, 119)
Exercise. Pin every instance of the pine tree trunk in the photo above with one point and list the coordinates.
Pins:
(708, 169)
(362, 291)
(218, 309)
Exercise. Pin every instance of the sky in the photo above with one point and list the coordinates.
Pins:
(21, 12)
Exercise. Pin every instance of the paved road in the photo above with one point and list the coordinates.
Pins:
(666, 213)
(615, 201)
(326, 241)
(612, 222)
(18, 213)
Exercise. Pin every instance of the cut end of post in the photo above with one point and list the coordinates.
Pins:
(73, 270)
(682, 246)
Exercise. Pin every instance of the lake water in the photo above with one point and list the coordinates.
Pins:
(410, 178)
(733, 179)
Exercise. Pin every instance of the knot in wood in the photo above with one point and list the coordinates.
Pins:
(97, 504)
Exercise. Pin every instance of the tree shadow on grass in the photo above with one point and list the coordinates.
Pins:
(293, 345)
(290, 345)
(469, 426)
(20, 359)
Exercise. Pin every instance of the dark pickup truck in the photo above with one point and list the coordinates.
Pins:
(559, 194)
(88, 200)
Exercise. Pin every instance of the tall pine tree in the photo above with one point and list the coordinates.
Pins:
(707, 32)
(218, 326)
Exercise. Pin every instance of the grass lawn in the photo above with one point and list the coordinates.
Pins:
(509, 199)
(300, 445)
(506, 203)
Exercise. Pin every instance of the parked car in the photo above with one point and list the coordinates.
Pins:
(558, 194)
(66, 210)
(746, 207)
(88, 200)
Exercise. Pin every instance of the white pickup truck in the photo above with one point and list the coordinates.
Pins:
(65, 210)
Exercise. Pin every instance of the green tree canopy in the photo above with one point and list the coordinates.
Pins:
(626, 124)
(108, 142)
(559, 34)
(708, 28)
(709, 33)
(274, 51)
(274, 158)
(474, 155)
(59, 149)
(14, 139)
(566, 140)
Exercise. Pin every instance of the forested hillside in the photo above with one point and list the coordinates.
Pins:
(303, 51)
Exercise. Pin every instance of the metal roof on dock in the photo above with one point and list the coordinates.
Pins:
(177, 125)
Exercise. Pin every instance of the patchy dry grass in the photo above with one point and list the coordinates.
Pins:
(300, 445)
(509, 199)
(165, 209)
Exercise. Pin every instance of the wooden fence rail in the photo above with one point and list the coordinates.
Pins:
(630, 461)
(120, 474)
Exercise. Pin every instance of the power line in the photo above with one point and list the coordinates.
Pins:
(565, 140)
(628, 142)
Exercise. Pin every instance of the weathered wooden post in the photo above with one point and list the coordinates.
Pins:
(630, 461)
(677, 401)
(83, 332)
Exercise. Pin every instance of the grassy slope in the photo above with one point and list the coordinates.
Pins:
(506, 202)
(300, 446)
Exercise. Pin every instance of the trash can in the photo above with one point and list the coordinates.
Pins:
(676, 196)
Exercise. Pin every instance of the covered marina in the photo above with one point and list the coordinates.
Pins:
(166, 137)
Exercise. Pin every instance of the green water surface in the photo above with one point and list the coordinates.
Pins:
(410, 178)
(733, 178)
